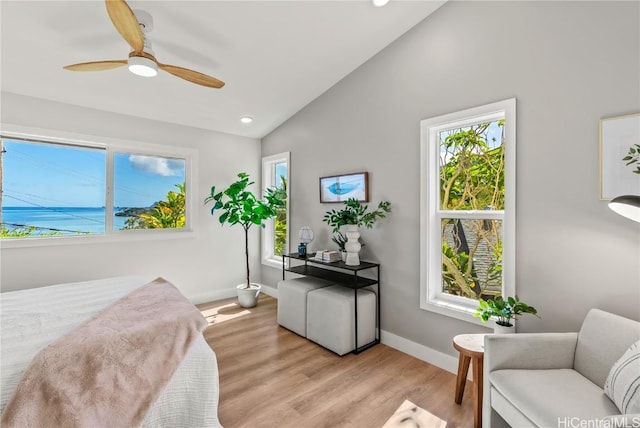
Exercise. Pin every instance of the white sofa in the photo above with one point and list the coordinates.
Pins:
(556, 379)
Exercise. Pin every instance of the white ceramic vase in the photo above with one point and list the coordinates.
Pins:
(503, 329)
(353, 245)
(248, 297)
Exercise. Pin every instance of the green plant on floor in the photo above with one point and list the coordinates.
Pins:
(237, 205)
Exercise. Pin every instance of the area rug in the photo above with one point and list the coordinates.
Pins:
(410, 415)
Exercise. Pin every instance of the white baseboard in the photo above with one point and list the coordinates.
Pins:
(228, 293)
(213, 295)
(422, 352)
(270, 291)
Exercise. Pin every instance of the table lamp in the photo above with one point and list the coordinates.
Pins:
(306, 236)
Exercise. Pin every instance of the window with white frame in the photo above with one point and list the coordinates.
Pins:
(275, 234)
(57, 186)
(467, 246)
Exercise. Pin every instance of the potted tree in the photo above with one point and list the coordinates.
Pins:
(353, 215)
(503, 310)
(237, 205)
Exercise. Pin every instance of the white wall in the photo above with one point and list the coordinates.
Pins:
(205, 266)
(568, 64)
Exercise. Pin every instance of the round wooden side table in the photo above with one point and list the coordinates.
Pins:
(471, 348)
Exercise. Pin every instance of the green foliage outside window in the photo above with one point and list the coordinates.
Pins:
(280, 241)
(165, 214)
(25, 232)
(472, 179)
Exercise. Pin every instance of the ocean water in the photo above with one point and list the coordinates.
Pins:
(67, 220)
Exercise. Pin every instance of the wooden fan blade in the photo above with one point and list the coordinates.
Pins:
(96, 65)
(126, 23)
(192, 76)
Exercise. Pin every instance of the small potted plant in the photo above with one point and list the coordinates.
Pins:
(503, 310)
(340, 239)
(357, 214)
(353, 215)
(237, 205)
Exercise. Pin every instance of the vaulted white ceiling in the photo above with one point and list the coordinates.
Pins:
(274, 56)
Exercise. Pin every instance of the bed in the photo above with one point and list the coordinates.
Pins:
(32, 319)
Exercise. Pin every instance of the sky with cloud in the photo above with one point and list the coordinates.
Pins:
(59, 176)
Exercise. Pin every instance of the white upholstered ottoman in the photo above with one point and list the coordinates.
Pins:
(292, 302)
(330, 318)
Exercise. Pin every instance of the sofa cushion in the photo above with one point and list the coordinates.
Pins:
(544, 396)
(623, 383)
(602, 339)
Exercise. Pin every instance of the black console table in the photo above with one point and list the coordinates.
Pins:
(342, 274)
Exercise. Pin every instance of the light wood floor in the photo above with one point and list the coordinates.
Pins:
(271, 377)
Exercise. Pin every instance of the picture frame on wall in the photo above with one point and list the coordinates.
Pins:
(339, 188)
(619, 156)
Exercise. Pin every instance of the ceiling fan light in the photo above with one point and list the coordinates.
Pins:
(380, 3)
(142, 66)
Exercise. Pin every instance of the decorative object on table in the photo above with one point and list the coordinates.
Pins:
(620, 156)
(627, 206)
(306, 236)
(354, 215)
(339, 188)
(353, 245)
(327, 256)
(237, 205)
(503, 310)
(302, 250)
(340, 239)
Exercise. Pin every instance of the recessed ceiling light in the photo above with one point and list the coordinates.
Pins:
(246, 119)
(379, 3)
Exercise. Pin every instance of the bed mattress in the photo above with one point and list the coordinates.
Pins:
(32, 319)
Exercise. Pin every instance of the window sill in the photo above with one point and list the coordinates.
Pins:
(457, 311)
(128, 236)
(273, 263)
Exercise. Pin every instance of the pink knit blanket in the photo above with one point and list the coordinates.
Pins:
(109, 370)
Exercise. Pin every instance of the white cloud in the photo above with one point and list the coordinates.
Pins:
(156, 165)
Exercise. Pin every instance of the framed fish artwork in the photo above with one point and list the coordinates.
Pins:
(339, 188)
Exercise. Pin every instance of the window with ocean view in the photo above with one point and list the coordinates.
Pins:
(54, 188)
(149, 191)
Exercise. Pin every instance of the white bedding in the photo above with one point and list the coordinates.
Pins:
(31, 319)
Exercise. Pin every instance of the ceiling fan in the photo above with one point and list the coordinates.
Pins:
(142, 61)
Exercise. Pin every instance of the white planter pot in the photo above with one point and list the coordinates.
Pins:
(353, 245)
(343, 256)
(248, 297)
(503, 329)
